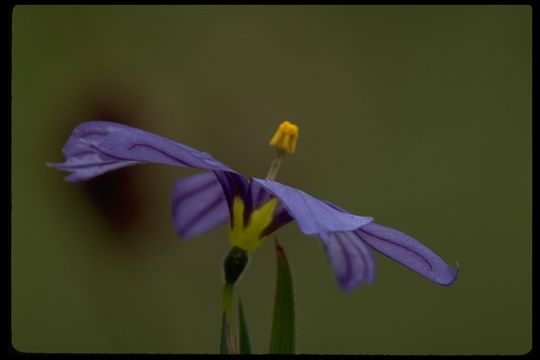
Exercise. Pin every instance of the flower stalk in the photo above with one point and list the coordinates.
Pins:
(228, 319)
(234, 264)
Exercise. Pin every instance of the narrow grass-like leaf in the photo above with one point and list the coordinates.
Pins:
(283, 324)
(223, 344)
(245, 347)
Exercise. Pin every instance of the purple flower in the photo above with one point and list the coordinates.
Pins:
(254, 207)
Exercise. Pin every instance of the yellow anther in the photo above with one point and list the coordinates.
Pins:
(248, 236)
(285, 137)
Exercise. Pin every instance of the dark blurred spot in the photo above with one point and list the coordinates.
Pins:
(114, 195)
(116, 199)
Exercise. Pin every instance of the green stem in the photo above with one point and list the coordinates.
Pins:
(227, 307)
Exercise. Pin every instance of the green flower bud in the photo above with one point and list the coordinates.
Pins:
(234, 264)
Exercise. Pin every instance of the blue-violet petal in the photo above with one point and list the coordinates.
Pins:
(313, 216)
(351, 259)
(407, 251)
(198, 205)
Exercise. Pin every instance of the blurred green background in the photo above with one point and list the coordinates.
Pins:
(417, 115)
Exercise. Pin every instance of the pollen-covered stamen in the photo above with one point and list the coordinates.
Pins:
(285, 137)
(284, 140)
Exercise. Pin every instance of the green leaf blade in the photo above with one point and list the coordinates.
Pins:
(283, 325)
(245, 346)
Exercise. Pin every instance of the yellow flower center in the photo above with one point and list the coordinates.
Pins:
(248, 236)
(285, 137)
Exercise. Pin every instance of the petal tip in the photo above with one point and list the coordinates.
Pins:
(449, 277)
(353, 285)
